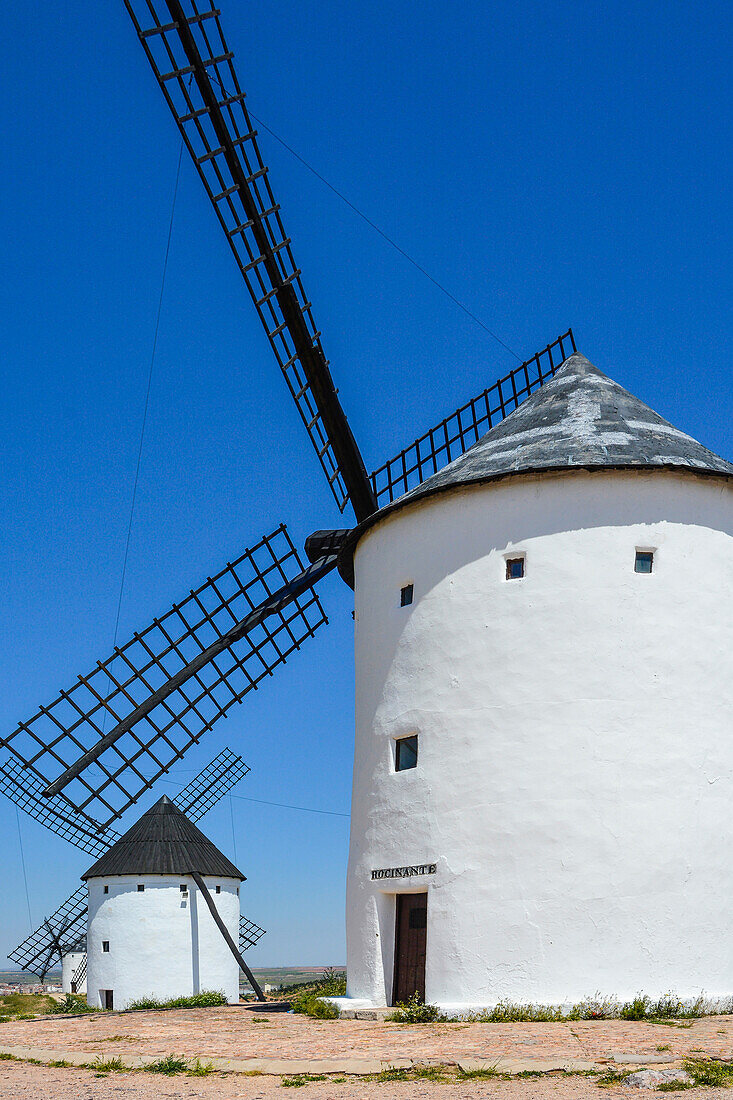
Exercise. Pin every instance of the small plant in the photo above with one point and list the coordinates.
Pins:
(638, 1009)
(299, 1079)
(200, 1069)
(61, 1064)
(168, 1066)
(664, 1046)
(610, 1078)
(111, 1065)
(310, 1004)
(674, 1086)
(415, 1011)
(208, 998)
(73, 1003)
(713, 1073)
(478, 1074)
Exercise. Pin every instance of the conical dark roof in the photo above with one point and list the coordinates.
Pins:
(163, 842)
(581, 418)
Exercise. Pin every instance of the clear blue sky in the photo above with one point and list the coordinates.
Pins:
(551, 163)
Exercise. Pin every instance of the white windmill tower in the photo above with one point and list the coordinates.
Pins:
(163, 914)
(544, 706)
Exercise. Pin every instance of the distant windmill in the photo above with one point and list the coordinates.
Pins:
(63, 933)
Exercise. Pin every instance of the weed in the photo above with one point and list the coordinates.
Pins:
(299, 1079)
(715, 1073)
(638, 1009)
(169, 1065)
(310, 1004)
(6, 1057)
(674, 1086)
(208, 998)
(665, 1046)
(415, 1011)
(612, 1077)
(200, 1069)
(4, 1019)
(261, 1020)
(111, 1065)
(74, 1003)
(61, 1064)
(477, 1074)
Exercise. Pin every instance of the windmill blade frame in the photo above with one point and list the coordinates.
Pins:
(171, 682)
(194, 67)
(453, 436)
(64, 930)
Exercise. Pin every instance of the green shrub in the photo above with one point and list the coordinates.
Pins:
(638, 1009)
(415, 1011)
(310, 1004)
(111, 1065)
(169, 1065)
(208, 998)
(73, 1002)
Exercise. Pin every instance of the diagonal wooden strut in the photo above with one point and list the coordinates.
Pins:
(225, 933)
(270, 606)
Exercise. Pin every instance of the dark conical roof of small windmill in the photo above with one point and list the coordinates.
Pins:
(581, 418)
(163, 842)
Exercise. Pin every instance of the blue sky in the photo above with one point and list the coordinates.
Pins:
(551, 164)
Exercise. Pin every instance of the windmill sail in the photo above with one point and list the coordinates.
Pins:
(459, 431)
(139, 711)
(195, 70)
(64, 931)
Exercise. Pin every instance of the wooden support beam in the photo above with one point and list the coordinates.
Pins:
(225, 933)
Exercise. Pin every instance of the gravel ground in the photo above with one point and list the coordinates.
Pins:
(22, 1082)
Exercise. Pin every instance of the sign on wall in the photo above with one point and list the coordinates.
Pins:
(405, 872)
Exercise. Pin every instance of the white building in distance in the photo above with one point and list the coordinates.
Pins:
(544, 715)
(74, 972)
(150, 931)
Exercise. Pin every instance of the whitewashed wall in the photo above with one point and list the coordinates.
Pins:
(161, 944)
(69, 965)
(575, 775)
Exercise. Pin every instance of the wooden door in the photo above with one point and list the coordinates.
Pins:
(411, 928)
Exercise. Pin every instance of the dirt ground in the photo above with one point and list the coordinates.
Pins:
(27, 1082)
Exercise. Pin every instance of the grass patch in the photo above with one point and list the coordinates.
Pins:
(108, 1065)
(715, 1073)
(310, 1004)
(200, 1069)
(674, 1086)
(170, 1065)
(299, 1079)
(73, 1003)
(478, 1074)
(612, 1077)
(26, 1006)
(208, 998)
(415, 1011)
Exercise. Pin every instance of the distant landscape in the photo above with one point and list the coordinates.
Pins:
(265, 975)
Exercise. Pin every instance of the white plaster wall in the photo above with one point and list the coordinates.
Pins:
(575, 772)
(69, 965)
(161, 944)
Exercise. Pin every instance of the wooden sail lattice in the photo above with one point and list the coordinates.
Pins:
(52, 742)
(453, 436)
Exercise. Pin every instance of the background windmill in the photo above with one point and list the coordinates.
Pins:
(317, 519)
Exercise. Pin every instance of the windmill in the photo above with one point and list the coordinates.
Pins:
(86, 757)
(64, 931)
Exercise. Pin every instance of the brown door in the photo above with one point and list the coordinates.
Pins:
(109, 998)
(410, 938)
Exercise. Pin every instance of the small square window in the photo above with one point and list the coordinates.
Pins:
(183, 888)
(514, 569)
(105, 946)
(644, 561)
(106, 889)
(141, 887)
(406, 753)
(406, 595)
(218, 889)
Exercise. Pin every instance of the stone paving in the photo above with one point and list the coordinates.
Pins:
(293, 1043)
